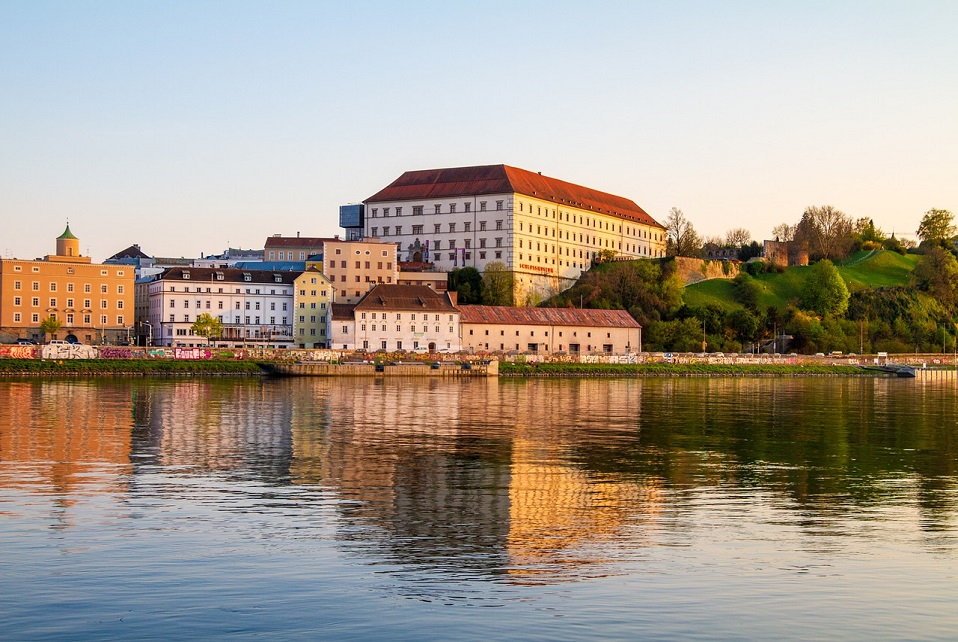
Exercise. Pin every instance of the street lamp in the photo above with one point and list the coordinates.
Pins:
(149, 334)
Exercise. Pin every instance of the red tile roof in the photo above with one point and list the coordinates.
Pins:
(414, 298)
(505, 315)
(503, 179)
(342, 311)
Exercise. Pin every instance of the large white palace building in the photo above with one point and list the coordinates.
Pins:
(546, 231)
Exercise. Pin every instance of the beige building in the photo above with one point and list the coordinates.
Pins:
(92, 301)
(393, 318)
(312, 298)
(292, 248)
(487, 328)
(353, 267)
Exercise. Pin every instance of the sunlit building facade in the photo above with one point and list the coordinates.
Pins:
(545, 230)
(93, 302)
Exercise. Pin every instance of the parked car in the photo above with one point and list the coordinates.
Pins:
(26, 342)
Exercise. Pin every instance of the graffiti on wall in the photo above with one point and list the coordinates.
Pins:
(192, 353)
(68, 351)
(18, 352)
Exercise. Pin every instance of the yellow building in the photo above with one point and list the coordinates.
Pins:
(93, 302)
(312, 295)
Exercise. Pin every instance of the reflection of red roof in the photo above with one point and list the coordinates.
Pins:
(503, 179)
(505, 315)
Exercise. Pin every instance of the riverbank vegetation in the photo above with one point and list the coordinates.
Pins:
(863, 292)
(153, 367)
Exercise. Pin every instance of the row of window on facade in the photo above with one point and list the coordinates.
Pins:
(594, 222)
(384, 345)
(574, 348)
(376, 328)
(87, 288)
(70, 319)
(254, 320)
(199, 304)
(35, 303)
(360, 264)
(70, 270)
(418, 210)
(199, 290)
(282, 255)
(532, 333)
(419, 230)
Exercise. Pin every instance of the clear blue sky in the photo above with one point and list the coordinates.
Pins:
(189, 126)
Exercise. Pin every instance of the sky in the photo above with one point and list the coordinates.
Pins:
(191, 126)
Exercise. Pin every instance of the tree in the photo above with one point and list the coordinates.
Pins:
(827, 231)
(936, 225)
(206, 325)
(50, 325)
(682, 239)
(467, 282)
(937, 274)
(783, 232)
(825, 291)
(738, 237)
(498, 284)
(747, 290)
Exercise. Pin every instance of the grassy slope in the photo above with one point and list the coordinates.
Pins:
(863, 270)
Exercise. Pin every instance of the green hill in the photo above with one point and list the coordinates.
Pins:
(862, 270)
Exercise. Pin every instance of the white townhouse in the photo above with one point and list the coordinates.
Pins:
(254, 306)
(392, 318)
(545, 230)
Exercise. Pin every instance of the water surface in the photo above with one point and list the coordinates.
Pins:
(414, 509)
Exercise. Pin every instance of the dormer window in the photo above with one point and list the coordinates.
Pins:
(247, 276)
(220, 276)
(277, 278)
(186, 275)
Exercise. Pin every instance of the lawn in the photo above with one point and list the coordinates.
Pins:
(862, 270)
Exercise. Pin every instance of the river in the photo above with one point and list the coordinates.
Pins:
(719, 508)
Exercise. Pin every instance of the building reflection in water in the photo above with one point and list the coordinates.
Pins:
(62, 439)
(524, 481)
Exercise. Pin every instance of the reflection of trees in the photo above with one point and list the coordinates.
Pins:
(826, 444)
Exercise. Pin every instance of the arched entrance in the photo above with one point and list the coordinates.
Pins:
(71, 338)
(432, 348)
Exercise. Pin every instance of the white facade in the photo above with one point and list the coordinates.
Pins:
(398, 318)
(544, 234)
(255, 307)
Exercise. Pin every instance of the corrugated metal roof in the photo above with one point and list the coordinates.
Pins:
(413, 298)
(505, 315)
(504, 179)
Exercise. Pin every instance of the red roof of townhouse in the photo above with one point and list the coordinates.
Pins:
(412, 298)
(504, 179)
(506, 315)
